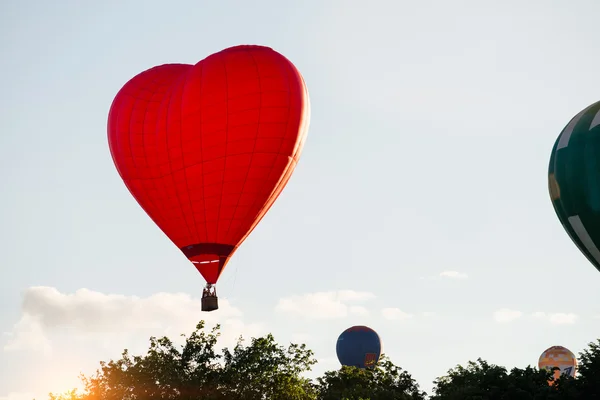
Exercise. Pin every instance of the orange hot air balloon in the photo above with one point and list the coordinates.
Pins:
(561, 357)
(206, 149)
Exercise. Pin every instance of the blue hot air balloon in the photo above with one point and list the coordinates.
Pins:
(359, 346)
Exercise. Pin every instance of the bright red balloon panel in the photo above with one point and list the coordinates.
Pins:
(206, 149)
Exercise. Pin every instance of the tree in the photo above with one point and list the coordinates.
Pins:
(384, 382)
(588, 382)
(483, 381)
(265, 370)
(262, 370)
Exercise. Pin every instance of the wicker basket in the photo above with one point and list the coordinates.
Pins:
(210, 303)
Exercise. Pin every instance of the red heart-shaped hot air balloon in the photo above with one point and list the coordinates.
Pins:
(206, 149)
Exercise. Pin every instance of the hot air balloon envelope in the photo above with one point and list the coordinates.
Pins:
(561, 357)
(206, 149)
(574, 181)
(359, 346)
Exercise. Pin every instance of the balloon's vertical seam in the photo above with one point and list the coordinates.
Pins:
(142, 130)
(169, 127)
(141, 181)
(257, 217)
(224, 63)
(277, 189)
(241, 193)
(185, 167)
(131, 167)
(201, 80)
(156, 179)
(135, 101)
(152, 179)
(291, 164)
(165, 101)
(159, 180)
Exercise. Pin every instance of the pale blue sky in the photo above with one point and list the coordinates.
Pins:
(432, 124)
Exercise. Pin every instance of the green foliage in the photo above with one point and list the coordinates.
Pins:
(265, 370)
(384, 382)
(483, 381)
(588, 384)
(262, 370)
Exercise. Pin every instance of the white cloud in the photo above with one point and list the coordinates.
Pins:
(557, 318)
(325, 305)
(429, 314)
(28, 334)
(506, 315)
(453, 275)
(88, 315)
(395, 314)
(85, 327)
(18, 396)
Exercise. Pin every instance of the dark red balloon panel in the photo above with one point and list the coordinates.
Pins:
(206, 149)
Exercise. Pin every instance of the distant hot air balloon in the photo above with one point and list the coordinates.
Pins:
(359, 346)
(206, 149)
(561, 357)
(574, 181)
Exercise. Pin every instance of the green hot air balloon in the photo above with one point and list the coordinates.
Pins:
(574, 181)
